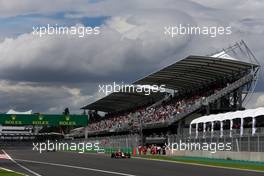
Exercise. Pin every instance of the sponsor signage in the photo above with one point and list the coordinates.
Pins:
(41, 119)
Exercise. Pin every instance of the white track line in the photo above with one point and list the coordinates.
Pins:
(23, 167)
(76, 167)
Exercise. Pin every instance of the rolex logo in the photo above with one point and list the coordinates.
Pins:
(67, 118)
(40, 117)
(13, 117)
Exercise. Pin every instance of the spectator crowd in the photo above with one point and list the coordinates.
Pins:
(152, 114)
(147, 115)
(152, 149)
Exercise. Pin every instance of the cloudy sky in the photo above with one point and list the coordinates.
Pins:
(47, 74)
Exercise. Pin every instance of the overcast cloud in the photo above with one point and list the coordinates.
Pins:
(50, 73)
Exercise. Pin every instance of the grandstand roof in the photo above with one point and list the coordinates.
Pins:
(119, 101)
(185, 74)
(194, 71)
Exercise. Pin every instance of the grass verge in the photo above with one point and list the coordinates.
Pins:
(257, 166)
(4, 172)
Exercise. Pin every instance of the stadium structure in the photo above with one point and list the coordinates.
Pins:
(200, 87)
(204, 101)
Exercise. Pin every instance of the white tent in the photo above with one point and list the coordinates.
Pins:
(11, 111)
(253, 113)
(230, 115)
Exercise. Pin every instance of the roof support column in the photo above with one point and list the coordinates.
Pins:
(204, 129)
(253, 126)
(240, 101)
(231, 127)
(242, 127)
(221, 128)
(235, 100)
(196, 130)
(212, 129)
(190, 130)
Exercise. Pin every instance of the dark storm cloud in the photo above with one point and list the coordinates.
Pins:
(48, 73)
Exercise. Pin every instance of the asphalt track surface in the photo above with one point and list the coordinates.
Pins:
(74, 164)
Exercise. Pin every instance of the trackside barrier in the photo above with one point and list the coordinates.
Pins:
(122, 149)
(245, 143)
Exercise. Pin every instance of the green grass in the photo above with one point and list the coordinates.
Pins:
(8, 173)
(258, 166)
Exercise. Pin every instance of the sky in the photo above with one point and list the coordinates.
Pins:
(47, 74)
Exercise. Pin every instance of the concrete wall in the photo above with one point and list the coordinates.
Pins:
(246, 156)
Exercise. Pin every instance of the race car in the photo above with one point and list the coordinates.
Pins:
(120, 154)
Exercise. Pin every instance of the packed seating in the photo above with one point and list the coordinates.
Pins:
(114, 122)
(145, 115)
(150, 114)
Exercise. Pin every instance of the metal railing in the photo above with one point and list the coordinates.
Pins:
(228, 89)
(238, 143)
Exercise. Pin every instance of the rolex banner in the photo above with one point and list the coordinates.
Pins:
(50, 120)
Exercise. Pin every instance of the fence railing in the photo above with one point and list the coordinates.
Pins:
(228, 88)
(246, 143)
(238, 143)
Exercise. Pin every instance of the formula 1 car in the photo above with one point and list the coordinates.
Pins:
(120, 154)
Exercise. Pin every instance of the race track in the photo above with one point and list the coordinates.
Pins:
(69, 164)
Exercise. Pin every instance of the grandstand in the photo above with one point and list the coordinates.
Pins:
(200, 86)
